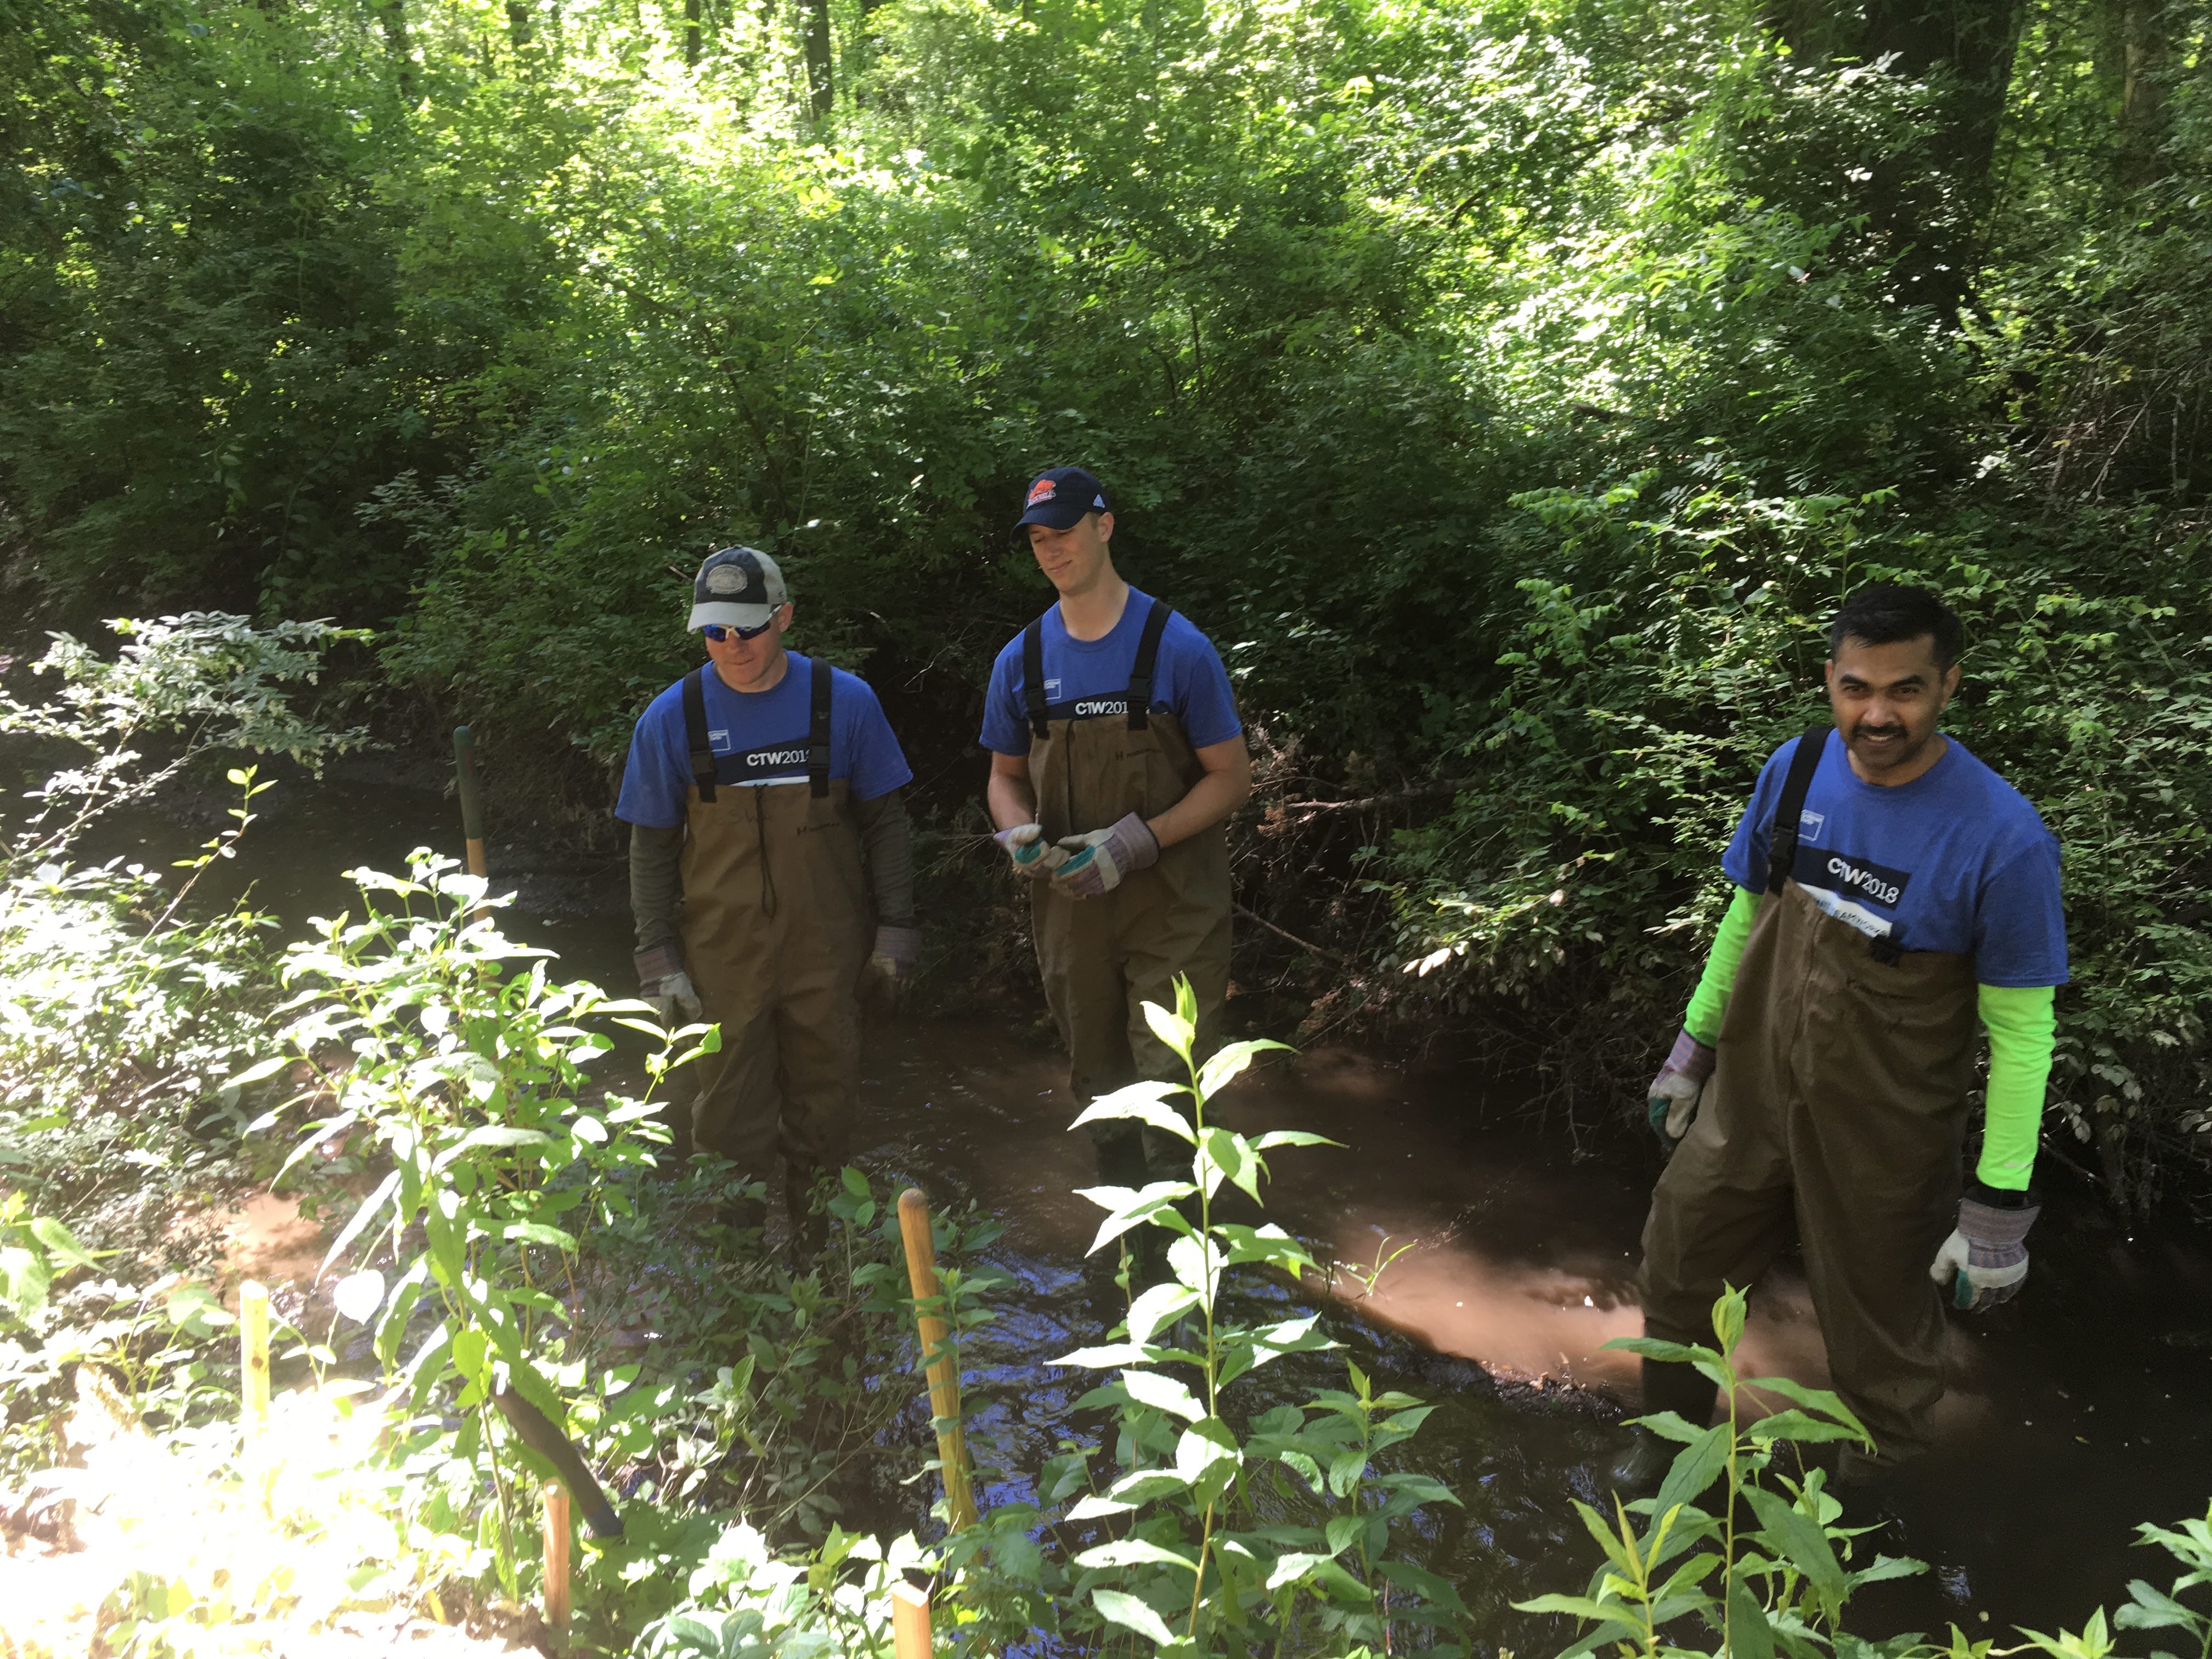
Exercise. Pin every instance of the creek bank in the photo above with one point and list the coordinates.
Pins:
(2079, 1414)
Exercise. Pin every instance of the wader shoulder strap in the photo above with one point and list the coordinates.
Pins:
(1033, 677)
(1140, 675)
(694, 733)
(1781, 839)
(817, 733)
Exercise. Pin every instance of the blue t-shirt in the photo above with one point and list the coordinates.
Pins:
(758, 737)
(1188, 680)
(1954, 860)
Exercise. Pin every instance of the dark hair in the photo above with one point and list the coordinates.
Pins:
(1886, 612)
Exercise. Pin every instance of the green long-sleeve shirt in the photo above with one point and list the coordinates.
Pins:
(2022, 1025)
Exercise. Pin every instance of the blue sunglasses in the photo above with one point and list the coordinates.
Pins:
(718, 632)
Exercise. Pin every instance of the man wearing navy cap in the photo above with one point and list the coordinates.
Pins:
(763, 791)
(1117, 756)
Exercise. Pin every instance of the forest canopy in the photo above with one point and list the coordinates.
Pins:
(1511, 389)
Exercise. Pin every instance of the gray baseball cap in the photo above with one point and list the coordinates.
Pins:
(737, 587)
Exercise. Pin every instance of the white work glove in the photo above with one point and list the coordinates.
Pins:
(896, 954)
(1026, 846)
(1985, 1258)
(1672, 1102)
(662, 982)
(672, 995)
(1098, 859)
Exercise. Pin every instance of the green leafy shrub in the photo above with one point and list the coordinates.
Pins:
(466, 1081)
(127, 1020)
(514, 1241)
(1782, 1582)
(745, 1598)
(1737, 1556)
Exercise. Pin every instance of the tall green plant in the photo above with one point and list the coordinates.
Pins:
(1199, 1557)
(1781, 1582)
(426, 1040)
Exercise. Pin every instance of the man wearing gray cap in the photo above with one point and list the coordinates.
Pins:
(763, 791)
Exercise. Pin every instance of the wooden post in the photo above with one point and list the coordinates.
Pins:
(472, 793)
(471, 788)
(909, 1622)
(253, 1357)
(556, 1558)
(944, 1379)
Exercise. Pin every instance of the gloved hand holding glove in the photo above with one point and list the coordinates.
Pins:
(897, 953)
(1673, 1101)
(1985, 1258)
(1031, 854)
(662, 982)
(1098, 861)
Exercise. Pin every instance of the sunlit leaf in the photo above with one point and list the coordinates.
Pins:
(1171, 1029)
(1133, 1553)
(1119, 1607)
(359, 1295)
(1164, 1393)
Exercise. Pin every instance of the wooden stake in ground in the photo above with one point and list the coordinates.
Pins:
(909, 1622)
(943, 1377)
(253, 1357)
(471, 793)
(556, 1558)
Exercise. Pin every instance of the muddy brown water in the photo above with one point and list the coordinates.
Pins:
(2078, 1411)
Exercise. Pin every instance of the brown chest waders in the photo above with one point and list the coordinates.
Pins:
(1104, 959)
(1837, 1106)
(776, 923)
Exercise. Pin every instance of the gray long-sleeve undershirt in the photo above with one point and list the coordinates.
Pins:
(656, 884)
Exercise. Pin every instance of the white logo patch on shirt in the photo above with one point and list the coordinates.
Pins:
(1852, 913)
(1810, 825)
(719, 741)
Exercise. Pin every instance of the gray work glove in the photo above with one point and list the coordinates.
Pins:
(1985, 1258)
(1026, 847)
(1099, 860)
(896, 952)
(662, 982)
(1672, 1100)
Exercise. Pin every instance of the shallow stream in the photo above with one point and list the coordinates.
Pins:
(2079, 1410)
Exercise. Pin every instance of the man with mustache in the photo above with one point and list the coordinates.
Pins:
(1891, 892)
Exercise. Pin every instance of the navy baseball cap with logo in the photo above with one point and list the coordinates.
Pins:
(737, 587)
(1060, 498)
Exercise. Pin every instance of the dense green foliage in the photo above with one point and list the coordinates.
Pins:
(505, 1224)
(1508, 388)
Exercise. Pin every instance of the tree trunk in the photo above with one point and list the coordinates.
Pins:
(821, 90)
(690, 33)
(2142, 89)
(517, 23)
(392, 14)
(1924, 207)
(1967, 46)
